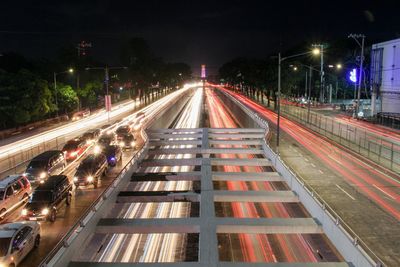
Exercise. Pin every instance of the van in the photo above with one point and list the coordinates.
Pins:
(48, 163)
(14, 191)
(47, 199)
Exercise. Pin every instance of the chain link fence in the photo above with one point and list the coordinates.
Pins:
(377, 148)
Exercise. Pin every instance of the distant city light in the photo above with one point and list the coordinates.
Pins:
(121, 88)
(353, 75)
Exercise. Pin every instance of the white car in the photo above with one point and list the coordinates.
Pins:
(17, 240)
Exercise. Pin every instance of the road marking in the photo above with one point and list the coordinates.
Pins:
(344, 191)
(312, 164)
(306, 159)
(383, 191)
(321, 171)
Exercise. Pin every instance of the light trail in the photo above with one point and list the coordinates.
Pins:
(257, 247)
(157, 247)
(355, 171)
(83, 124)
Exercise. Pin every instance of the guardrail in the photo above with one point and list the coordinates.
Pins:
(61, 247)
(331, 217)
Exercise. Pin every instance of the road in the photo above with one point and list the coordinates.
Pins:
(169, 247)
(16, 152)
(262, 247)
(366, 197)
(51, 233)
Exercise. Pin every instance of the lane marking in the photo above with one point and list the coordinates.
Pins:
(344, 191)
(306, 159)
(321, 171)
(383, 191)
(312, 164)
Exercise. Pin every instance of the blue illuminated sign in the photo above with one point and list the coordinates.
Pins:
(353, 75)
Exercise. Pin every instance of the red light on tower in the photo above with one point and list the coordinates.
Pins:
(203, 71)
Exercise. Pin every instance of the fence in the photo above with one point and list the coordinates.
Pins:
(377, 148)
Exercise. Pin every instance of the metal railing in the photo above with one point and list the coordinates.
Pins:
(369, 254)
(377, 148)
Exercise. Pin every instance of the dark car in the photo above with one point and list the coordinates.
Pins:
(48, 163)
(105, 140)
(91, 135)
(113, 154)
(127, 141)
(90, 170)
(47, 199)
(122, 131)
(74, 148)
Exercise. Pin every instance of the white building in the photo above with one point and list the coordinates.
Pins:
(385, 76)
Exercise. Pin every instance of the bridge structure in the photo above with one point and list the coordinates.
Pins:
(194, 153)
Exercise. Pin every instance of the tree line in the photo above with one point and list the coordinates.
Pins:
(255, 76)
(28, 94)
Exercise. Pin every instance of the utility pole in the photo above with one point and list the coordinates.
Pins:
(305, 87)
(278, 100)
(356, 37)
(309, 96)
(81, 49)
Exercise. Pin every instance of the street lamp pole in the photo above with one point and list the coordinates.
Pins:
(55, 85)
(278, 98)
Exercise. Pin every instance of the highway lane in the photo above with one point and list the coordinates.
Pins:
(377, 227)
(261, 247)
(169, 247)
(14, 153)
(83, 197)
(382, 188)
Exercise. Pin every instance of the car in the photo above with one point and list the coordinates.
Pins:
(17, 240)
(90, 170)
(138, 121)
(105, 140)
(47, 199)
(122, 131)
(14, 191)
(43, 165)
(91, 136)
(128, 141)
(80, 114)
(113, 154)
(74, 148)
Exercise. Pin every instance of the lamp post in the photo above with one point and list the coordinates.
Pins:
(315, 51)
(55, 83)
(106, 80)
(361, 45)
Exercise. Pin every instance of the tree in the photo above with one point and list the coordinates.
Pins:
(67, 98)
(88, 93)
(24, 97)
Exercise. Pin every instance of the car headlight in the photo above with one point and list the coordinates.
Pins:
(132, 143)
(24, 212)
(121, 144)
(97, 149)
(90, 178)
(45, 211)
(73, 154)
(75, 179)
(43, 175)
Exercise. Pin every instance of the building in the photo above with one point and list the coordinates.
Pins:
(385, 77)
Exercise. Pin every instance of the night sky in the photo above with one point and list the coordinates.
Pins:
(195, 32)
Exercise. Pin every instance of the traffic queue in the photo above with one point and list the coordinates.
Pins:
(43, 189)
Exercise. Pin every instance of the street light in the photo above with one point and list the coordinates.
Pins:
(70, 70)
(106, 79)
(280, 59)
